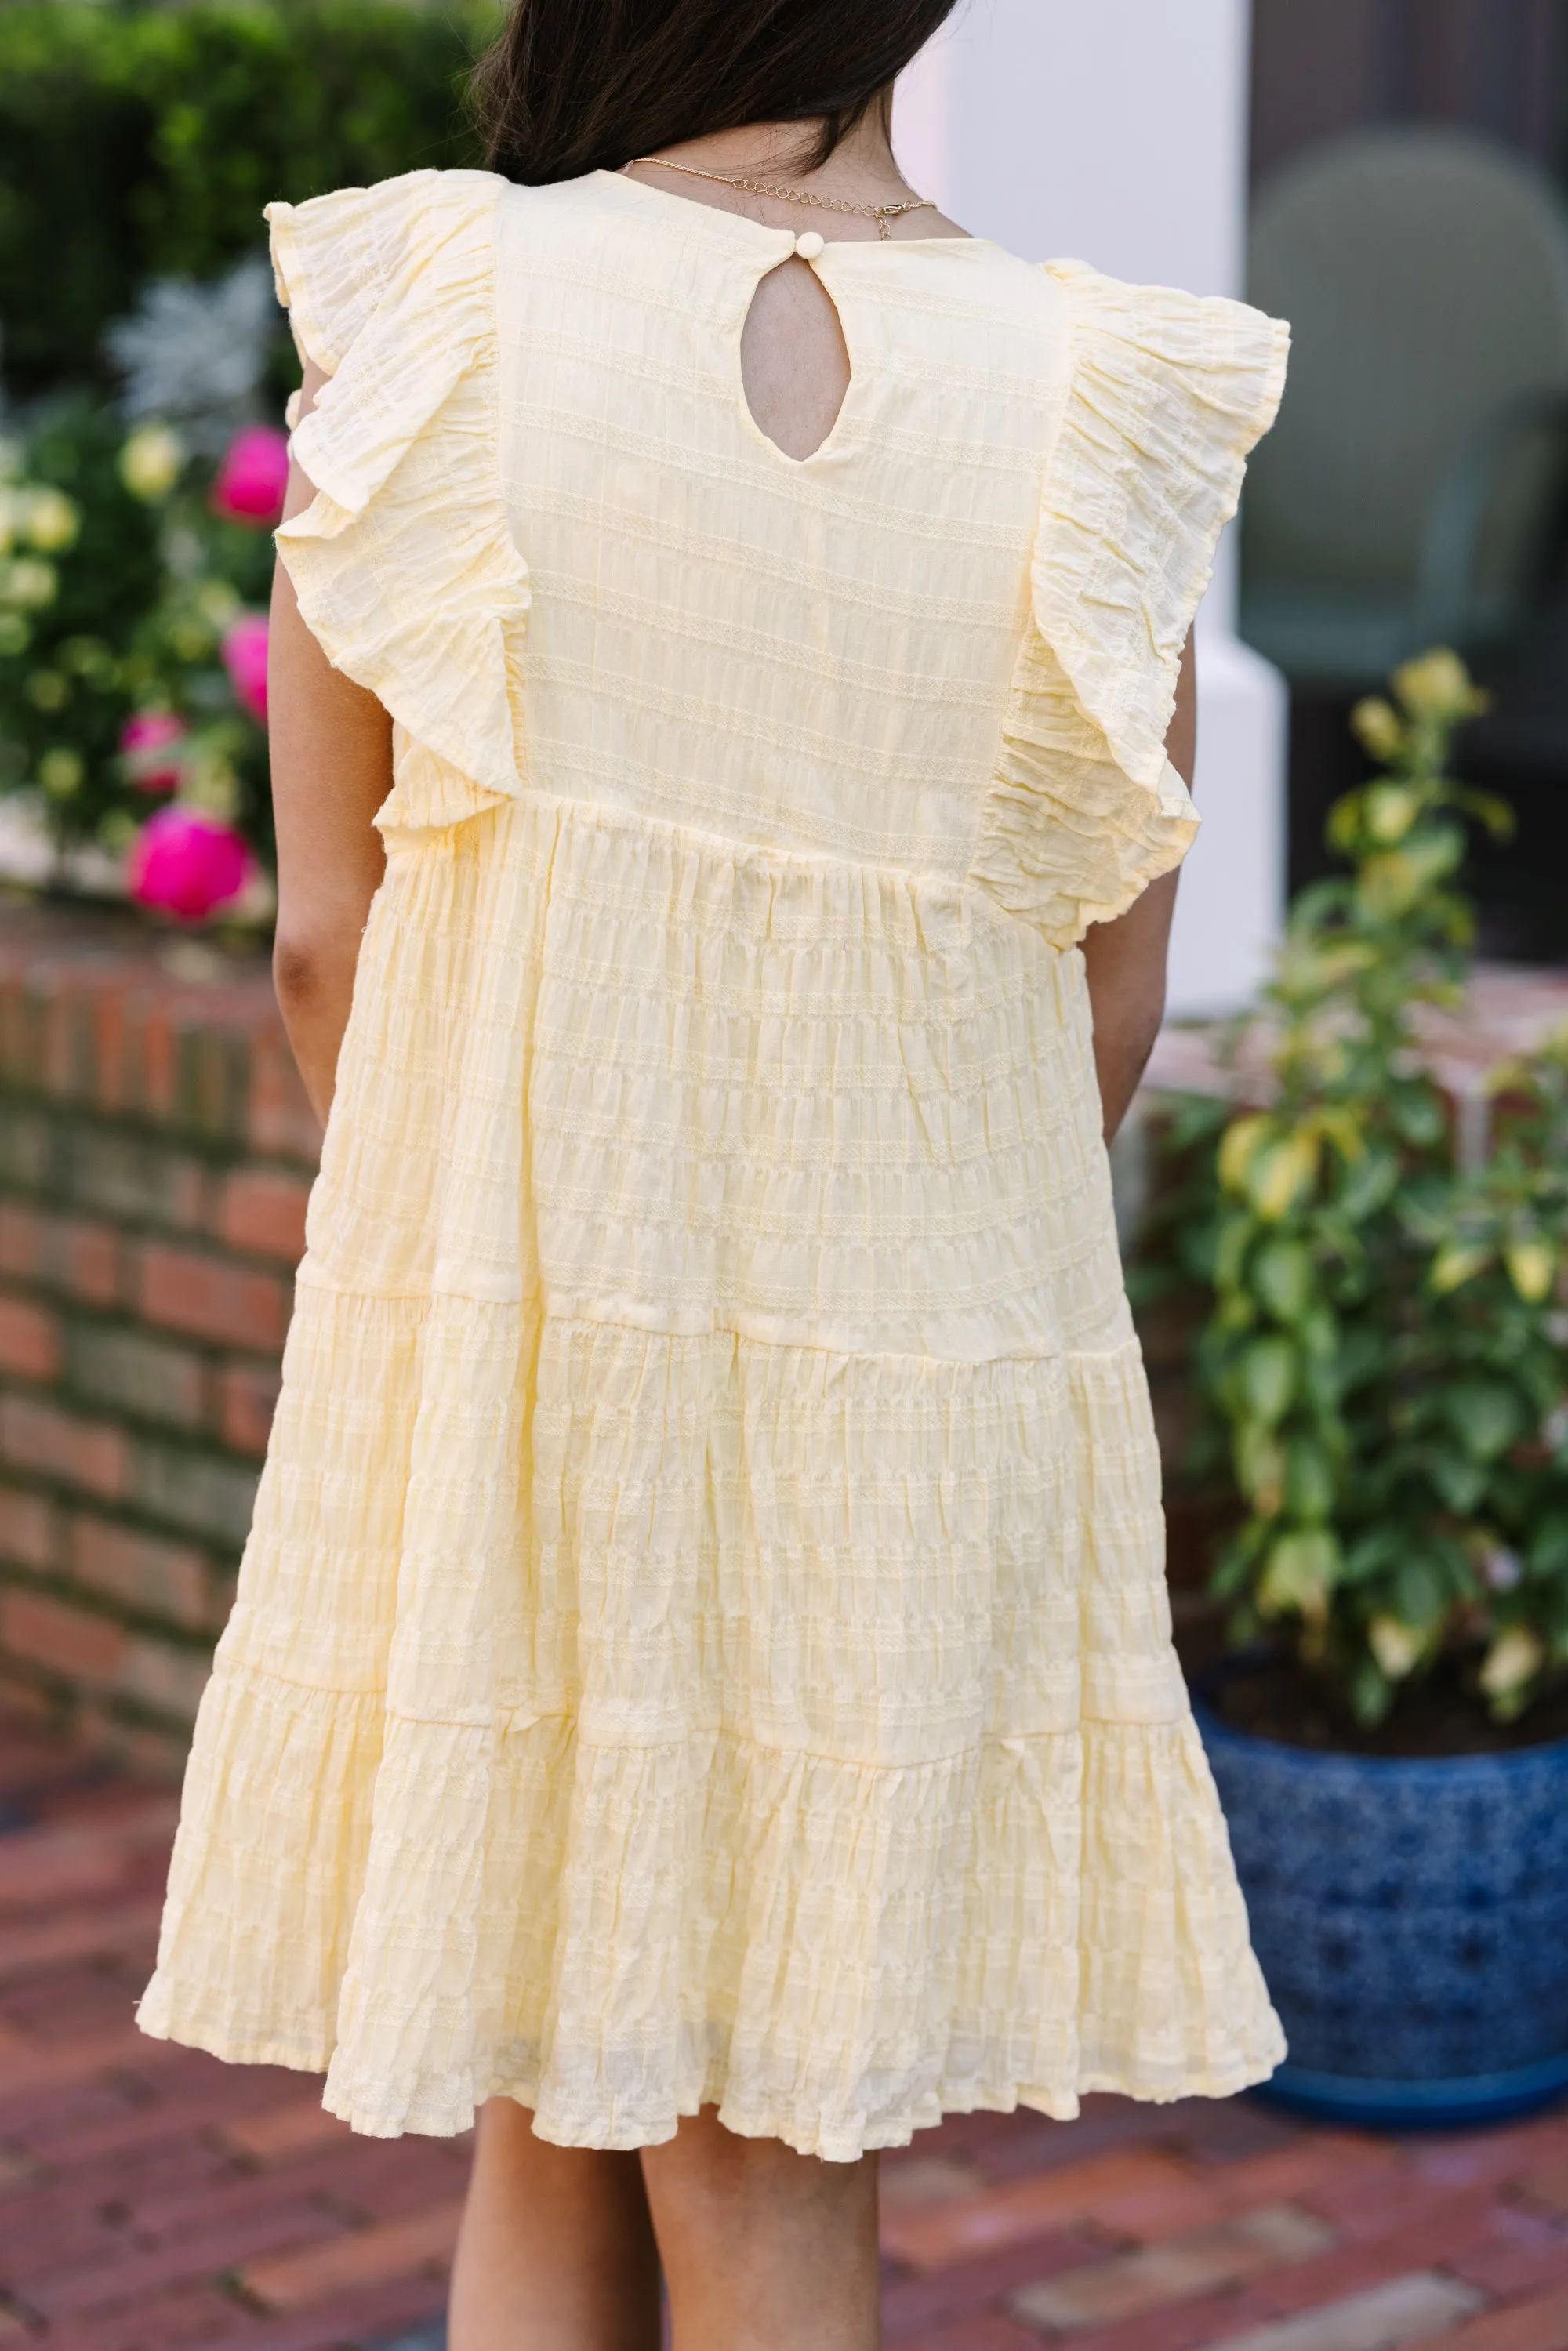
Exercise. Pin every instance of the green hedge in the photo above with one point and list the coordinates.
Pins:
(140, 142)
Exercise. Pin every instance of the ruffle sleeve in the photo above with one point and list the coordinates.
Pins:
(1168, 394)
(403, 563)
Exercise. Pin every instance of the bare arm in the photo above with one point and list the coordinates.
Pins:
(331, 747)
(1125, 959)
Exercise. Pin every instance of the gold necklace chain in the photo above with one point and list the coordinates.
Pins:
(881, 214)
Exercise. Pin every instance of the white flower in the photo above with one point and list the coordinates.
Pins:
(1503, 1568)
(198, 352)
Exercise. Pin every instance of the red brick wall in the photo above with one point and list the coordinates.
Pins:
(156, 1149)
(155, 1153)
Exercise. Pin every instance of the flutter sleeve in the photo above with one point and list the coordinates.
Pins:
(402, 563)
(1168, 394)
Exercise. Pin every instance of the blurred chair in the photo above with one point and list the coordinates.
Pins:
(1411, 493)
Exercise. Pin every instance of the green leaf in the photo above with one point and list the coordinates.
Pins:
(1242, 1141)
(1390, 811)
(1281, 1276)
(1457, 1262)
(1547, 1548)
(1299, 1573)
(1486, 1416)
(1310, 1483)
(1459, 1481)
(1266, 1376)
(1489, 810)
(1361, 1357)
(1231, 1571)
(1418, 1115)
(1420, 1593)
(1279, 1175)
(1371, 1554)
(1261, 1467)
(1370, 1695)
(1532, 1269)
(1318, 1335)
(1369, 1183)
(1398, 1647)
(1233, 1235)
(1388, 884)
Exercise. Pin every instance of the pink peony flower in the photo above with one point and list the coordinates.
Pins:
(142, 738)
(187, 863)
(244, 658)
(253, 476)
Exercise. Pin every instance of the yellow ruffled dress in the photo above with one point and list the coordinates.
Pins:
(704, 1636)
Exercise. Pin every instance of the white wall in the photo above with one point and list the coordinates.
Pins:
(1115, 131)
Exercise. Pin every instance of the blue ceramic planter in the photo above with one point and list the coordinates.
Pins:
(1412, 1923)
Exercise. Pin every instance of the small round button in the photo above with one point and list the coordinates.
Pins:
(810, 245)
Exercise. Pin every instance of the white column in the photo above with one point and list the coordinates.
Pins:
(1115, 132)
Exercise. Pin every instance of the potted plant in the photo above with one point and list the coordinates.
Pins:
(1384, 1366)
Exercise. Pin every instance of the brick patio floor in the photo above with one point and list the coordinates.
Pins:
(152, 2199)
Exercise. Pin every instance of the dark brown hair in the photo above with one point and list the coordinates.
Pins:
(576, 86)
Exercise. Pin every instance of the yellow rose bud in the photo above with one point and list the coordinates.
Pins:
(190, 640)
(29, 582)
(60, 772)
(117, 831)
(51, 521)
(151, 462)
(217, 603)
(48, 690)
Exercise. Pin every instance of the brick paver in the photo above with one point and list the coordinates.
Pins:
(152, 2199)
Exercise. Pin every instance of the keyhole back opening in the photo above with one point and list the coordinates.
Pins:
(794, 361)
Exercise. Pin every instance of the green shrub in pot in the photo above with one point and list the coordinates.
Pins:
(1384, 1360)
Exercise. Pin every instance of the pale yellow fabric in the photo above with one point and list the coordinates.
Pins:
(703, 1636)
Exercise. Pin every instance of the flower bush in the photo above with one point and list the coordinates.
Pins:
(1385, 1361)
(187, 863)
(141, 142)
(137, 147)
(133, 644)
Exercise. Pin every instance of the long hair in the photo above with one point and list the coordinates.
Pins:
(575, 85)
